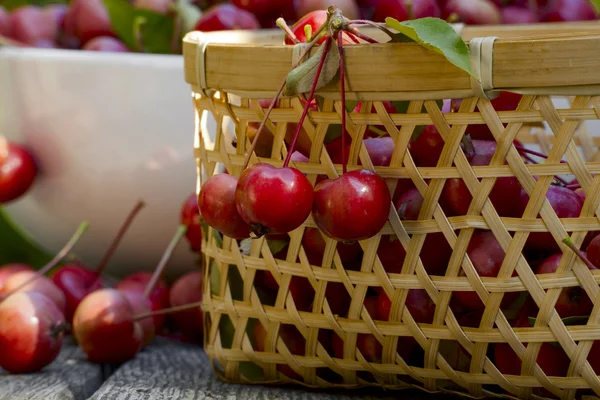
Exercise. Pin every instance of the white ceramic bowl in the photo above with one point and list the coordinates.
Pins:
(107, 129)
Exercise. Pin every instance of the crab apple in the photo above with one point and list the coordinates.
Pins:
(188, 289)
(314, 246)
(593, 251)
(512, 15)
(9, 269)
(302, 292)
(159, 296)
(418, 303)
(31, 332)
(566, 204)
(267, 8)
(315, 19)
(568, 11)
(75, 281)
(105, 328)
(380, 150)
(553, 360)
(190, 217)
(273, 200)
(33, 26)
(89, 19)
(349, 8)
(140, 304)
(30, 281)
(504, 195)
(216, 203)
(363, 212)
(487, 256)
(106, 43)
(573, 301)
(436, 251)
(221, 17)
(18, 171)
(427, 147)
(472, 12)
(389, 108)
(403, 10)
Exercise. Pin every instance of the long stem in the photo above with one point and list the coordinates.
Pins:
(164, 260)
(57, 259)
(361, 35)
(351, 37)
(525, 150)
(376, 25)
(573, 186)
(169, 310)
(284, 26)
(340, 44)
(309, 99)
(274, 101)
(579, 253)
(117, 240)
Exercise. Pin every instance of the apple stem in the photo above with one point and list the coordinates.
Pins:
(274, 101)
(361, 35)
(579, 253)
(381, 27)
(351, 37)
(170, 310)
(340, 45)
(573, 186)
(284, 26)
(117, 240)
(57, 259)
(525, 150)
(165, 259)
(308, 101)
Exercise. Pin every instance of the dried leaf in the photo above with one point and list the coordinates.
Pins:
(301, 78)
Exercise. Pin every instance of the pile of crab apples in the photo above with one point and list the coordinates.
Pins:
(110, 324)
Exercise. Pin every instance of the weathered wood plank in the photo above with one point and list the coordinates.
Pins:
(70, 377)
(171, 370)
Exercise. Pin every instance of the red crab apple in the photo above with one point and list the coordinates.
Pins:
(315, 19)
(505, 194)
(31, 281)
(349, 8)
(403, 10)
(105, 328)
(487, 256)
(216, 203)
(88, 19)
(5, 28)
(188, 289)
(190, 217)
(314, 246)
(225, 16)
(159, 296)
(363, 212)
(273, 200)
(36, 26)
(565, 203)
(427, 147)
(159, 6)
(573, 301)
(293, 340)
(593, 251)
(106, 43)
(9, 269)
(512, 15)
(568, 11)
(18, 171)
(31, 332)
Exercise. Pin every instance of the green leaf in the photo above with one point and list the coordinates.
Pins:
(236, 283)
(596, 5)
(568, 321)
(10, 5)
(437, 35)
(18, 247)
(141, 29)
(218, 237)
(215, 278)
(251, 371)
(301, 78)
(226, 330)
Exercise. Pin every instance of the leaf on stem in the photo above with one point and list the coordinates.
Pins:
(17, 247)
(301, 78)
(434, 34)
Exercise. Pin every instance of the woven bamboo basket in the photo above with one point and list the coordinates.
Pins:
(554, 67)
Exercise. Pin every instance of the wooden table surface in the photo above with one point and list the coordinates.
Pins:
(166, 370)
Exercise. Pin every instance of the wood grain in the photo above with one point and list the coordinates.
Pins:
(70, 377)
(172, 370)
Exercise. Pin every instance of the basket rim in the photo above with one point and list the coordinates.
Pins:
(545, 58)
